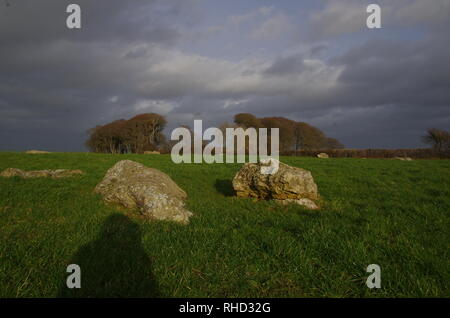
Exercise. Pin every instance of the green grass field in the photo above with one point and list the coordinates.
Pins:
(386, 212)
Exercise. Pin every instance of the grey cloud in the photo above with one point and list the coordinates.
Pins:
(54, 83)
(337, 18)
(287, 65)
(273, 27)
(383, 72)
(346, 17)
(153, 21)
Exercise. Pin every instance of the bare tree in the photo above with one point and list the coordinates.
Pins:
(246, 120)
(333, 143)
(136, 135)
(438, 139)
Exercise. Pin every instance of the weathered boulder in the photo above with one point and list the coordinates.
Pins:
(36, 152)
(323, 155)
(56, 174)
(153, 193)
(287, 185)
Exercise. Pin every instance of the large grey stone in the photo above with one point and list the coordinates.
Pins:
(150, 191)
(287, 185)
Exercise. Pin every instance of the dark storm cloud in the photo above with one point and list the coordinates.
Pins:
(387, 94)
(55, 83)
(113, 20)
(382, 72)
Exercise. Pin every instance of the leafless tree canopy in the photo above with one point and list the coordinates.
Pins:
(293, 135)
(136, 135)
(438, 139)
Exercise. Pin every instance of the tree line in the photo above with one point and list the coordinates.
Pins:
(293, 135)
(144, 132)
(136, 135)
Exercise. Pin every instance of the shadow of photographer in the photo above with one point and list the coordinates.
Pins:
(115, 264)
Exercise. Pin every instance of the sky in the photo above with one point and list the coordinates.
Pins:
(312, 61)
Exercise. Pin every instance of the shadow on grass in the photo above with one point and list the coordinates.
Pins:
(225, 187)
(115, 264)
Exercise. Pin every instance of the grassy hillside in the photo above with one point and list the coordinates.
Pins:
(387, 212)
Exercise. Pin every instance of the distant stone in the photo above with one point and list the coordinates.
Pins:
(56, 174)
(323, 155)
(37, 152)
(152, 153)
(404, 158)
(287, 185)
(153, 193)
